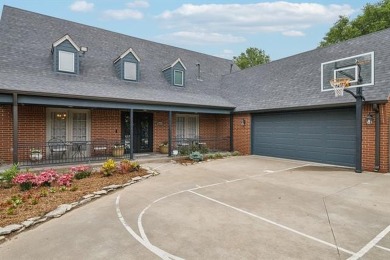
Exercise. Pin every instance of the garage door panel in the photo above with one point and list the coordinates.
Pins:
(326, 136)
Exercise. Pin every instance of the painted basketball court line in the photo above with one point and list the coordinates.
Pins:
(143, 239)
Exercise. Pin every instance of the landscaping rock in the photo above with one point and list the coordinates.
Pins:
(40, 220)
(147, 176)
(33, 219)
(149, 172)
(59, 211)
(96, 196)
(74, 204)
(126, 184)
(88, 196)
(2, 239)
(112, 187)
(27, 223)
(20, 230)
(9, 229)
(136, 178)
(84, 201)
(102, 192)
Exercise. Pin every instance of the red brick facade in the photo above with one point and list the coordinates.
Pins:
(5, 133)
(368, 145)
(242, 133)
(106, 124)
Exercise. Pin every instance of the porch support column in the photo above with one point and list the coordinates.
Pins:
(15, 138)
(231, 133)
(131, 134)
(170, 133)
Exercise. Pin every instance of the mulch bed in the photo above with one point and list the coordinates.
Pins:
(49, 198)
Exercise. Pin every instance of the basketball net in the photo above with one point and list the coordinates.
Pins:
(339, 85)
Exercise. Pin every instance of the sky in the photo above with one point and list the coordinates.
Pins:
(223, 28)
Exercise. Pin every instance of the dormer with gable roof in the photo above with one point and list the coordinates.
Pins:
(66, 55)
(127, 66)
(175, 73)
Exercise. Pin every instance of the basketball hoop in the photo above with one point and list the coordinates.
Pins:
(339, 85)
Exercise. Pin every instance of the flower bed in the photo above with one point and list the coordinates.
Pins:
(49, 189)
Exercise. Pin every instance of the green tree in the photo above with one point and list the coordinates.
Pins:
(251, 57)
(375, 17)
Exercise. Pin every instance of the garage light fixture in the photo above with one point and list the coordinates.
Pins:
(243, 122)
(369, 119)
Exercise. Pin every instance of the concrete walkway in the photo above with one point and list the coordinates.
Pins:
(237, 208)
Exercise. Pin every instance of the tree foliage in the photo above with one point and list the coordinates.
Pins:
(251, 57)
(375, 17)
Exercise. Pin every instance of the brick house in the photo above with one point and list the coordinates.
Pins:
(78, 92)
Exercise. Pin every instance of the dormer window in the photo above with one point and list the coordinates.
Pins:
(178, 78)
(175, 73)
(66, 56)
(66, 61)
(127, 66)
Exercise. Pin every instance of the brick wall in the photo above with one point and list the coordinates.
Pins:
(160, 129)
(32, 130)
(368, 139)
(242, 133)
(5, 133)
(106, 124)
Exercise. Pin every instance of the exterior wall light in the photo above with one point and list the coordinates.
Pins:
(243, 122)
(369, 119)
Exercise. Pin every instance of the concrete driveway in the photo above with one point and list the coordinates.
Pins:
(246, 207)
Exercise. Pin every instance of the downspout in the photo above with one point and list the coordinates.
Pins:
(377, 138)
(15, 137)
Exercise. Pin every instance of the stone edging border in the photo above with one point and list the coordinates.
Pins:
(64, 208)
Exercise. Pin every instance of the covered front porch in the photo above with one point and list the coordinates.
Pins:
(48, 130)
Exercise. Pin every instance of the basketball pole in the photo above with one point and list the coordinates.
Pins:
(359, 128)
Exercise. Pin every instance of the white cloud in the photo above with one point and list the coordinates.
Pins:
(253, 18)
(186, 37)
(226, 54)
(81, 6)
(138, 4)
(293, 33)
(124, 14)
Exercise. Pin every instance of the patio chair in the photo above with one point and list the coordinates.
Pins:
(99, 147)
(57, 147)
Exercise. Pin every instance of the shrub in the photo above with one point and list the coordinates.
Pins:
(108, 167)
(125, 166)
(25, 180)
(46, 178)
(135, 166)
(9, 174)
(65, 179)
(196, 156)
(236, 153)
(81, 172)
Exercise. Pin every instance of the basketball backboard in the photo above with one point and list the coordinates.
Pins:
(359, 69)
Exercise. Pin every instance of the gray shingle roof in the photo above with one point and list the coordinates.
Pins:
(295, 81)
(26, 64)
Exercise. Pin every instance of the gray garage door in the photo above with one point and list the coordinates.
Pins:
(326, 136)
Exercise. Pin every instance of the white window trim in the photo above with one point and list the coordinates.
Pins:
(59, 61)
(69, 117)
(124, 71)
(182, 78)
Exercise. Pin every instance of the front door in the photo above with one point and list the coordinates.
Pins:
(143, 131)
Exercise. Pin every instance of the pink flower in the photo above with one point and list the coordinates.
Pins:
(46, 177)
(65, 179)
(24, 178)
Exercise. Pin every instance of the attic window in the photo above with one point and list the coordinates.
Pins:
(66, 61)
(127, 66)
(178, 78)
(130, 70)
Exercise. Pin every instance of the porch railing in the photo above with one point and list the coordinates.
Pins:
(59, 152)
